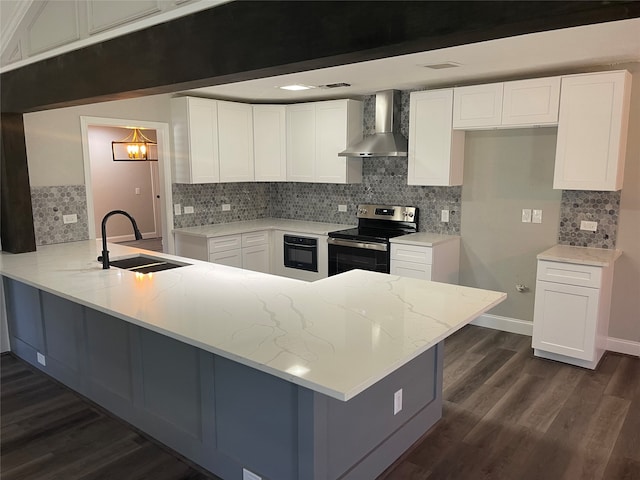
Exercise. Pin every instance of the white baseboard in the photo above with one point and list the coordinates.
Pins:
(523, 327)
(506, 324)
(623, 346)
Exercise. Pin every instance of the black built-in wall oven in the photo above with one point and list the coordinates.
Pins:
(367, 246)
(301, 252)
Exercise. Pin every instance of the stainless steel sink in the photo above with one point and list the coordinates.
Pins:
(146, 264)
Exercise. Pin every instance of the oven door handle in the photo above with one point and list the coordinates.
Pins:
(381, 247)
(299, 245)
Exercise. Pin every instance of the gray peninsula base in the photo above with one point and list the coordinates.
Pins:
(221, 414)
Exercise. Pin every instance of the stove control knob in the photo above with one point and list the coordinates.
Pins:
(362, 211)
(410, 214)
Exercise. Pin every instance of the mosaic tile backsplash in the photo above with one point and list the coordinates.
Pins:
(601, 207)
(384, 181)
(50, 204)
(248, 201)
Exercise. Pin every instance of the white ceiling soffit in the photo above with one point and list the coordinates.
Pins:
(533, 54)
(40, 29)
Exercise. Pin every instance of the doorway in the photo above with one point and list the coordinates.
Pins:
(141, 188)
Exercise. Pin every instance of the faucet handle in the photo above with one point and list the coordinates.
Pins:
(100, 258)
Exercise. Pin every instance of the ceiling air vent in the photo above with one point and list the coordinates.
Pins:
(440, 66)
(335, 85)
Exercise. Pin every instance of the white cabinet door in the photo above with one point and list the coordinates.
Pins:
(301, 142)
(477, 106)
(410, 269)
(235, 137)
(256, 258)
(436, 152)
(531, 102)
(338, 123)
(195, 135)
(592, 131)
(270, 143)
(230, 258)
(565, 318)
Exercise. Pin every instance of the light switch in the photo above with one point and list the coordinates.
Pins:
(137, 190)
(444, 216)
(526, 215)
(342, 208)
(537, 216)
(177, 209)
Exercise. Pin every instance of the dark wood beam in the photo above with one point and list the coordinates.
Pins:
(16, 216)
(243, 40)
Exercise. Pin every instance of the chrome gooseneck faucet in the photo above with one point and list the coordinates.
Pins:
(105, 253)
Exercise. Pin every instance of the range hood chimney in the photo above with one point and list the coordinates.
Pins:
(387, 141)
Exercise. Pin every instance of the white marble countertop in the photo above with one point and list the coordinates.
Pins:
(298, 226)
(424, 239)
(337, 336)
(599, 257)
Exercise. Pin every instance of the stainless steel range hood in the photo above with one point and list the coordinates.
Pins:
(387, 141)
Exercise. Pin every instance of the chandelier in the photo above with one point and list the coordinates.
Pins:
(134, 147)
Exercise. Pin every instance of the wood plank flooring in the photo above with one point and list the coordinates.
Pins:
(507, 415)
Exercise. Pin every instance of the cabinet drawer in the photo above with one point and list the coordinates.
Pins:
(255, 238)
(412, 253)
(222, 244)
(569, 273)
(411, 269)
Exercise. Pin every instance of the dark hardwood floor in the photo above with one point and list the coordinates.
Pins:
(507, 415)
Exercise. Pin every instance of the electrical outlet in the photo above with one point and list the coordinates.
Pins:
(444, 216)
(397, 402)
(248, 475)
(226, 207)
(41, 360)
(589, 226)
(342, 208)
(137, 190)
(177, 209)
(536, 217)
(526, 215)
(188, 209)
(72, 218)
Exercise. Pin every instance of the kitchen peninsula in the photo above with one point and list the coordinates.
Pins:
(239, 370)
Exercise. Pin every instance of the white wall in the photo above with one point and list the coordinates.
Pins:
(54, 143)
(504, 172)
(625, 313)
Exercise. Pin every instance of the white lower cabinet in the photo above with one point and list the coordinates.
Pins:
(230, 258)
(438, 263)
(571, 312)
(250, 250)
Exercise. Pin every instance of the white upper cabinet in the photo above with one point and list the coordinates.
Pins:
(436, 152)
(235, 141)
(477, 106)
(521, 103)
(338, 124)
(270, 143)
(195, 135)
(592, 131)
(301, 142)
(531, 102)
(316, 133)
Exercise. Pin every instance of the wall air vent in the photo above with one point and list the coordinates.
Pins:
(441, 66)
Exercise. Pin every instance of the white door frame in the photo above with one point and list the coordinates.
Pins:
(164, 170)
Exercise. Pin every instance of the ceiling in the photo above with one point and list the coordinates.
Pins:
(538, 54)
